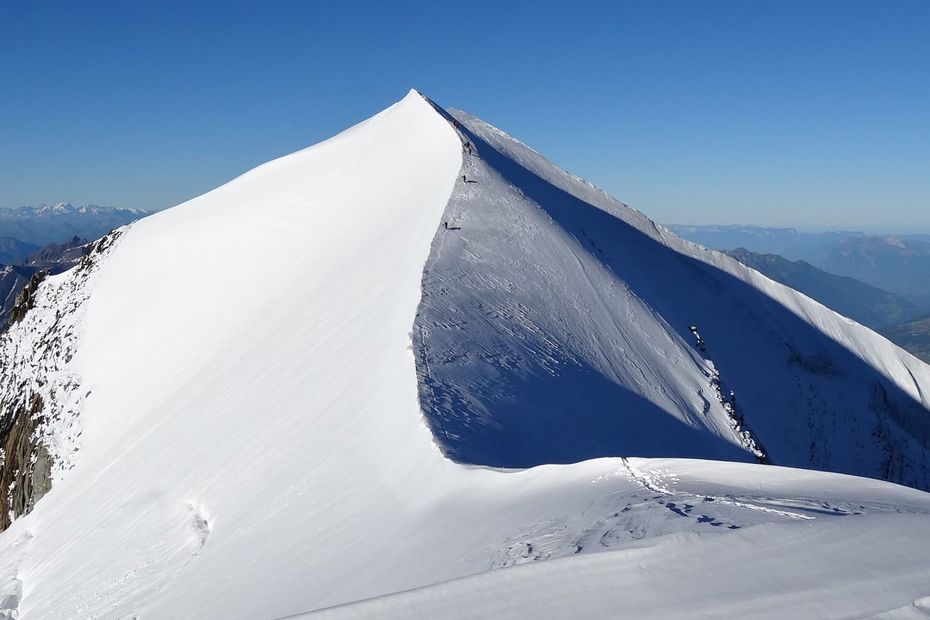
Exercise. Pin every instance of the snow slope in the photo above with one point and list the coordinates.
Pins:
(558, 324)
(254, 452)
(764, 572)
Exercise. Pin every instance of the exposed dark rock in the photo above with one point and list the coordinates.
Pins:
(25, 300)
(37, 389)
(25, 474)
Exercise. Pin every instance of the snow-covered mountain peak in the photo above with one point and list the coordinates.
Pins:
(252, 429)
(558, 324)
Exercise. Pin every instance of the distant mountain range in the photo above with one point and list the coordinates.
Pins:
(898, 319)
(24, 229)
(881, 281)
(787, 242)
(862, 302)
(13, 250)
(899, 264)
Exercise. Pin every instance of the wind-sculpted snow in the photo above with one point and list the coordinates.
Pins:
(793, 544)
(558, 324)
(257, 451)
(777, 571)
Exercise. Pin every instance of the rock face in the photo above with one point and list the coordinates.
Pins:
(39, 393)
(26, 470)
(68, 253)
(26, 298)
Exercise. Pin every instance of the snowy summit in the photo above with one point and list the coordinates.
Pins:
(458, 382)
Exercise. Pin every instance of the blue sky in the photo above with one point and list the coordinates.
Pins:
(815, 114)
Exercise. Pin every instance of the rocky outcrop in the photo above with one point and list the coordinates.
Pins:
(67, 253)
(26, 472)
(40, 394)
(26, 298)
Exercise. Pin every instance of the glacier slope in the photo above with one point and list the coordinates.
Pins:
(558, 324)
(260, 451)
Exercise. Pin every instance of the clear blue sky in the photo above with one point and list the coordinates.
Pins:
(787, 113)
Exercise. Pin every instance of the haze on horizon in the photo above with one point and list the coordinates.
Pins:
(778, 114)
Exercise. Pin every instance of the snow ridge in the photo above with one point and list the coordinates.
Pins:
(524, 346)
(258, 450)
(557, 324)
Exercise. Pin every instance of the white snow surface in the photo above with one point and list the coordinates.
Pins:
(558, 324)
(253, 446)
(785, 570)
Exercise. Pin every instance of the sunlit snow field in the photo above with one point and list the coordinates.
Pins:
(252, 442)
